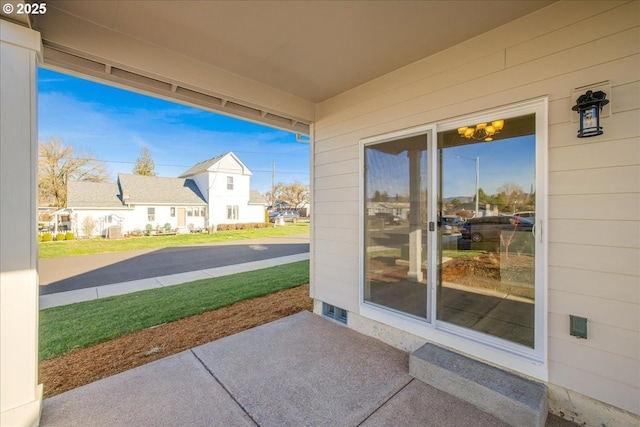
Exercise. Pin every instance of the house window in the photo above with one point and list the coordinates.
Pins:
(151, 214)
(173, 212)
(229, 183)
(203, 212)
(232, 212)
(189, 211)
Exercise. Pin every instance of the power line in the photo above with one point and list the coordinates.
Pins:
(175, 166)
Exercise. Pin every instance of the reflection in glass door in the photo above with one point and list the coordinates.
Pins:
(486, 215)
(395, 218)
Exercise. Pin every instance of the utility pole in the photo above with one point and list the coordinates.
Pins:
(273, 184)
(477, 160)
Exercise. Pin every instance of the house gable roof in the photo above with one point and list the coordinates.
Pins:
(214, 165)
(140, 189)
(255, 198)
(84, 194)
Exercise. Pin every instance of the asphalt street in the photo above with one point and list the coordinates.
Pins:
(87, 271)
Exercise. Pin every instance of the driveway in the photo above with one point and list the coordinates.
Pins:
(87, 271)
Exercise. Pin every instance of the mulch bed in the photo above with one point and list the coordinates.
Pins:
(86, 365)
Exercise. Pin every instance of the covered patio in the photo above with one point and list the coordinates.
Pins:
(300, 370)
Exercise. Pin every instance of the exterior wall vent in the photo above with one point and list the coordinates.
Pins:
(334, 313)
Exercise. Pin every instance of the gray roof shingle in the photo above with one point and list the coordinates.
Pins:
(202, 167)
(255, 198)
(207, 165)
(140, 189)
(82, 194)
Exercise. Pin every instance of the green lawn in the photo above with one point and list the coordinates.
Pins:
(83, 324)
(100, 245)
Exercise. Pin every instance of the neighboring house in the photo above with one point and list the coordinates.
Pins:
(216, 191)
(483, 209)
(225, 184)
(157, 201)
(98, 202)
(399, 209)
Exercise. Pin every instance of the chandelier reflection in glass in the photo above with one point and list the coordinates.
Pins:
(482, 131)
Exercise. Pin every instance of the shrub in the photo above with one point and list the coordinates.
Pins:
(69, 236)
(240, 226)
(167, 227)
(226, 227)
(47, 237)
(60, 237)
(39, 237)
(88, 225)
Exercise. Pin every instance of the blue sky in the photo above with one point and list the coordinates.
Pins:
(501, 161)
(114, 124)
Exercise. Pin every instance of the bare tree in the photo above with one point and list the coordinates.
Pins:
(296, 194)
(144, 164)
(88, 225)
(513, 194)
(58, 164)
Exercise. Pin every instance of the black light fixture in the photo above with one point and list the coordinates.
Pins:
(589, 106)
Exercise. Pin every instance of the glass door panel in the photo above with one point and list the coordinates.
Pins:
(395, 221)
(486, 215)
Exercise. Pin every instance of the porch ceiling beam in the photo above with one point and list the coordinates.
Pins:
(153, 70)
(125, 79)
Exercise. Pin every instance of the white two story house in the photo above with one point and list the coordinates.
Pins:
(215, 191)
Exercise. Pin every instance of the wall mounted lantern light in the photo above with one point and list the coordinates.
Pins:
(589, 106)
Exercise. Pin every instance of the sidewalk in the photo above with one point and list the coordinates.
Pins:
(87, 294)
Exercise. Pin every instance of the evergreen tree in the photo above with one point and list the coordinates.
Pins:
(144, 164)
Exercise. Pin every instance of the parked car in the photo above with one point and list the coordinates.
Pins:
(288, 216)
(530, 215)
(389, 218)
(450, 224)
(489, 228)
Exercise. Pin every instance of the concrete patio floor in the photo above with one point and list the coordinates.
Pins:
(301, 370)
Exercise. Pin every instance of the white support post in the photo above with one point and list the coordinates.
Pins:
(415, 220)
(20, 393)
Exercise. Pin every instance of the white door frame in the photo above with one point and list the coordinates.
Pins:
(532, 362)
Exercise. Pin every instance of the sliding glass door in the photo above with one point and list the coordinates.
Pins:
(486, 247)
(395, 224)
(451, 228)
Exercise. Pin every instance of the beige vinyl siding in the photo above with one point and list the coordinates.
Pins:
(593, 184)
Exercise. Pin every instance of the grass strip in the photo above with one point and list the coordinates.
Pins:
(82, 324)
(101, 245)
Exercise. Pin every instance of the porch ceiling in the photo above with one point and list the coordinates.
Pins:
(278, 58)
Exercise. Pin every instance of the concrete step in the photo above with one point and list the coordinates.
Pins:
(513, 399)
